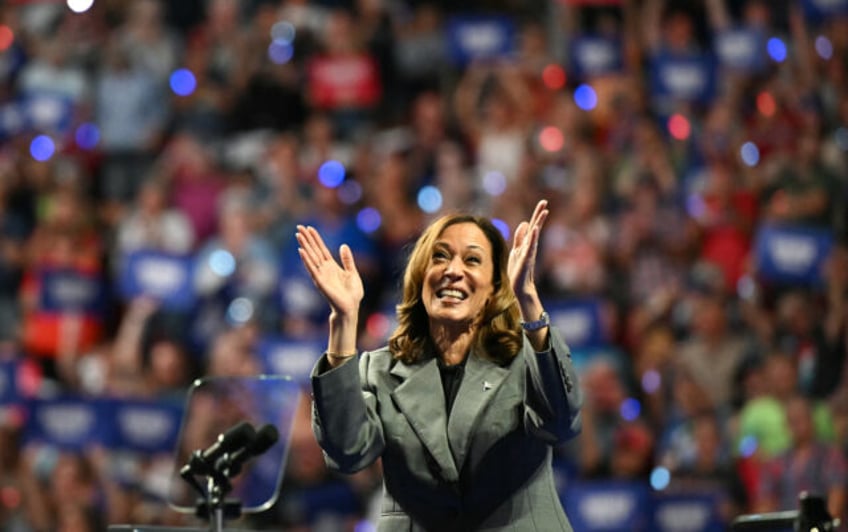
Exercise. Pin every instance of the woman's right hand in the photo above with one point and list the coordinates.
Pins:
(341, 284)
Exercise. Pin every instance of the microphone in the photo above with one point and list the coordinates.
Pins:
(264, 439)
(236, 437)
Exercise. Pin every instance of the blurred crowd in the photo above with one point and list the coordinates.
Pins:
(672, 140)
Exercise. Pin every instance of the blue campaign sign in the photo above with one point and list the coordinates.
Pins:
(163, 276)
(48, 110)
(593, 55)
(687, 78)
(68, 290)
(685, 512)
(792, 254)
(67, 423)
(143, 426)
(578, 321)
(742, 49)
(608, 506)
(292, 358)
(475, 37)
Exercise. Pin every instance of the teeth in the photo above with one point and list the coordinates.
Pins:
(451, 293)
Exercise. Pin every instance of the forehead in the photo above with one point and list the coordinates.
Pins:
(463, 235)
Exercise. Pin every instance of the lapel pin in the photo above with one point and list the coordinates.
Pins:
(487, 385)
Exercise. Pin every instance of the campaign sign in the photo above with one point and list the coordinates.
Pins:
(161, 276)
(69, 290)
(350, 81)
(472, 38)
(579, 322)
(292, 358)
(48, 111)
(608, 506)
(792, 254)
(684, 512)
(67, 423)
(593, 55)
(143, 426)
(688, 78)
(742, 49)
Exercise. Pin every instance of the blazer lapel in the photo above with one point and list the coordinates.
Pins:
(421, 399)
(479, 384)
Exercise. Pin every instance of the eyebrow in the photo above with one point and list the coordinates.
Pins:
(443, 244)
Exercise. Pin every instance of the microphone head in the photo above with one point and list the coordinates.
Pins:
(266, 437)
(237, 436)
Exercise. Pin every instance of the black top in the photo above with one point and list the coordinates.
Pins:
(451, 378)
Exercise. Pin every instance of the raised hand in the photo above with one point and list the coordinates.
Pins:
(340, 284)
(522, 258)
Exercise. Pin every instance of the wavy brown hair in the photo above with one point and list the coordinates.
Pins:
(499, 337)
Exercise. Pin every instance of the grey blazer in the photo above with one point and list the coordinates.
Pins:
(486, 467)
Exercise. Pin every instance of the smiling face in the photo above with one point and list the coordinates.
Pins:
(458, 280)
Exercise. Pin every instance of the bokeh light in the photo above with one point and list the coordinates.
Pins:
(630, 409)
(369, 219)
(240, 310)
(679, 126)
(824, 47)
(7, 37)
(585, 97)
(80, 6)
(377, 325)
(87, 136)
(183, 82)
(777, 49)
(494, 183)
(222, 263)
(766, 104)
(651, 381)
(502, 226)
(551, 139)
(331, 173)
(429, 199)
(42, 148)
(350, 191)
(660, 478)
(553, 76)
(280, 53)
(283, 32)
(748, 446)
(750, 154)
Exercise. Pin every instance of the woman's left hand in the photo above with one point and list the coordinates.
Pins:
(522, 257)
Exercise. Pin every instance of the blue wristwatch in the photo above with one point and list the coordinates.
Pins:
(543, 321)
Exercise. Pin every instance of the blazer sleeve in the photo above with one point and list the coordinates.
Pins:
(553, 397)
(344, 417)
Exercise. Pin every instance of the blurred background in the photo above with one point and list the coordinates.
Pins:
(155, 157)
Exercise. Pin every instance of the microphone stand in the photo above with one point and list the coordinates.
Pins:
(811, 516)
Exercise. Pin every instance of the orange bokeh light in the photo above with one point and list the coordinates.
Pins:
(766, 104)
(7, 37)
(554, 77)
(551, 139)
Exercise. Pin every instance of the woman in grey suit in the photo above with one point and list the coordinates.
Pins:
(472, 392)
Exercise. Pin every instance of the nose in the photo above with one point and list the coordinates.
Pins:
(454, 268)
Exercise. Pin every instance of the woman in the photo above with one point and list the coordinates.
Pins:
(465, 403)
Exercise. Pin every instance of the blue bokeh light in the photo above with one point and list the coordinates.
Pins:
(369, 219)
(183, 82)
(630, 409)
(585, 97)
(750, 154)
(748, 446)
(222, 263)
(660, 478)
(280, 52)
(87, 136)
(240, 310)
(429, 199)
(283, 32)
(42, 148)
(503, 227)
(331, 173)
(777, 49)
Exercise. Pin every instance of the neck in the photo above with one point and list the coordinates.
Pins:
(452, 346)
